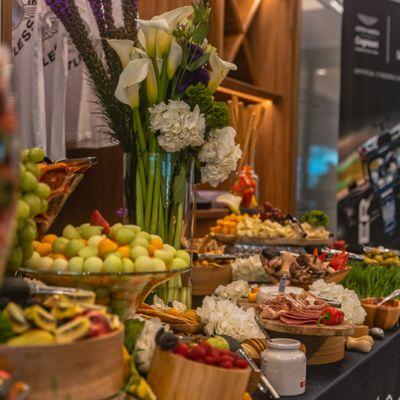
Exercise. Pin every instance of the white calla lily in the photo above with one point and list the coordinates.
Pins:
(123, 48)
(219, 70)
(148, 33)
(134, 73)
(163, 43)
(174, 59)
(176, 16)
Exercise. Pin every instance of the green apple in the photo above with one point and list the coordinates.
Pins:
(88, 251)
(73, 247)
(143, 234)
(87, 231)
(112, 264)
(93, 264)
(75, 264)
(184, 255)
(45, 264)
(70, 232)
(178, 263)
(34, 261)
(128, 265)
(59, 245)
(169, 248)
(114, 228)
(95, 240)
(140, 241)
(138, 251)
(124, 235)
(36, 154)
(165, 255)
(143, 264)
(158, 264)
(219, 342)
(60, 264)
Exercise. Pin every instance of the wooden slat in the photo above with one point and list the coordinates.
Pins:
(6, 23)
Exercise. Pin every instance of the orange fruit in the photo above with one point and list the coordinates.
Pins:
(44, 248)
(151, 249)
(252, 297)
(124, 251)
(35, 244)
(57, 255)
(107, 246)
(157, 243)
(49, 238)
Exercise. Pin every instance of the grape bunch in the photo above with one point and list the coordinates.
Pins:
(31, 202)
(273, 213)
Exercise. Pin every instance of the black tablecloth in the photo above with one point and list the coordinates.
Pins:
(372, 376)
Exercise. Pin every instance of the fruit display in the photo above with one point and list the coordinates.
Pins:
(245, 186)
(60, 319)
(228, 225)
(31, 202)
(379, 256)
(205, 353)
(92, 248)
(272, 213)
(62, 177)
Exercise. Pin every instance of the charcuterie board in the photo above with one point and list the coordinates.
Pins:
(309, 329)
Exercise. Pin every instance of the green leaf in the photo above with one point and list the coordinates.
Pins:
(133, 329)
(179, 186)
(198, 63)
(6, 332)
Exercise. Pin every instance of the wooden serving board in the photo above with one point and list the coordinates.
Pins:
(287, 241)
(308, 330)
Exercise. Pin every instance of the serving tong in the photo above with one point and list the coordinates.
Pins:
(391, 296)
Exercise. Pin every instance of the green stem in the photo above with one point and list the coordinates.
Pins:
(139, 131)
(157, 196)
(152, 166)
(178, 226)
(161, 221)
(139, 199)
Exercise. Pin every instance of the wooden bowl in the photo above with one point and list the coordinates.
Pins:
(173, 377)
(384, 317)
(206, 279)
(91, 369)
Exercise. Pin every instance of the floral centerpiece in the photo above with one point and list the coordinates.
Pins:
(155, 81)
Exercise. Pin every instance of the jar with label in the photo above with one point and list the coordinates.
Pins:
(284, 365)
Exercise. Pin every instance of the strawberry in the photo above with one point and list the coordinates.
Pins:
(182, 349)
(226, 364)
(210, 360)
(98, 220)
(215, 352)
(207, 347)
(226, 358)
(197, 353)
(241, 363)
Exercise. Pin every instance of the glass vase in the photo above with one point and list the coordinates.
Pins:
(166, 209)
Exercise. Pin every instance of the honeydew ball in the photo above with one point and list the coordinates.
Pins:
(114, 228)
(158, 265)
(138, 251)
(88, 251)
(178, 263)
(95, 240)
(34, 261)
(165, 255)
(124, 235)
(140, 241)
(169, 248)
(128, 265)
(70, 232)
(113, 264)
(134, 228)
(143, 234)
(73, 247)
(75, 264)
(114, 254)
(143, 264)
(46, 264)
(93, 264)
(60, 264)
(87, 231)
(184, 255)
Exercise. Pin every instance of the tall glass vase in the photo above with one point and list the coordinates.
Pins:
(165, 207)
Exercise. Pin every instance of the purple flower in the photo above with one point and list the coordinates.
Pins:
(122, 213)
(195, 52)
(201, 75)
(98, 12)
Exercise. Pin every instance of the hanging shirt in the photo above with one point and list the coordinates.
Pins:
(56, 106)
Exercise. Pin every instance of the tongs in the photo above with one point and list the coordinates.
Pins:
(391, 296)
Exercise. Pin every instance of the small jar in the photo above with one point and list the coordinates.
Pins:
(285, 366)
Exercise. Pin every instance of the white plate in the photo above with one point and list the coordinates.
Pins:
(272, 290)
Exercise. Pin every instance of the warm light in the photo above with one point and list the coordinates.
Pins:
(242, 95)
(321, 71)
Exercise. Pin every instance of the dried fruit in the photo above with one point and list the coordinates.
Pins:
(41, 318)
(17, 318)
(74, 330)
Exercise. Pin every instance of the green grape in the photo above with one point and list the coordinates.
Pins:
(33, 202)
(28, 182)
(43, 190)
(43, 206)
(27, 250)
(22, 168)
(28, 233)
(23, 210)
(23, 155)
(33, 168)
(36, 154)
(15, 258)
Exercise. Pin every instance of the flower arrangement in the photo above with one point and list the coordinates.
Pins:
(156, 90)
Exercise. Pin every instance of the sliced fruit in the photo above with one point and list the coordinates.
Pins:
(169, 248)
(63, 310)
(134, 228)
(60, 264)
(115, 254)
(88, 251)
(74, 330)
(50, 238)
(41, 318)
(98, 220)
(140, 241)
(124, 251)
(87, 231)
(165, 255)
(33, 337)
(158, 264)
(95, 240)
(45, 263)
(114, 228)
(44, 248)
(178, 263)
(143, 234)
(17, 318)
(60, 244)
(107, 246)
(34, 261)
(73, 247)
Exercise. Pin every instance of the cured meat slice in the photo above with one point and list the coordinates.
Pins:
(290, 321)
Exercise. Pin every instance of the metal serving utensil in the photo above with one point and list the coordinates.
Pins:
(391, 296)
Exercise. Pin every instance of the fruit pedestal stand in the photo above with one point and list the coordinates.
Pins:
(122, 292)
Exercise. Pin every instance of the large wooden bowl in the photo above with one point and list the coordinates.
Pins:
(91, 369)
(385, 316)
(173, 377)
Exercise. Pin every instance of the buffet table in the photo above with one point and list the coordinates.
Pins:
(373, 376)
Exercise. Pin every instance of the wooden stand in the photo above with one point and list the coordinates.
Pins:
(324, 344)
(90, 369)
(174, 377)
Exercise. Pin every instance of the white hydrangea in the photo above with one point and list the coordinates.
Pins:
(219, 155)
(178, 126)
(222, 317)
(234, 291)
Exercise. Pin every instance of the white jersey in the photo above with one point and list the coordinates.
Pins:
(54, 100)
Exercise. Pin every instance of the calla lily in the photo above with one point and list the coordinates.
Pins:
(129, 81)
(123, 48)
(163, 43)
(175, 17)
(151, 86)
(174, 59)
(148, 33)
(219, 70)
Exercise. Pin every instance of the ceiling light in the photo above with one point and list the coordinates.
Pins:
(321, 71)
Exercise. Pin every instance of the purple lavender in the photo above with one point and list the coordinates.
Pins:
(201, 75)
(122, 213)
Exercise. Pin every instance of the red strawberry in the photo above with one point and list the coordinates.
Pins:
(182, 349)
(226, 364)
(226, 358)
(98, 220)
(210, 360)
(241, 363)
(206, 347)
(197, 353)
(215, 352)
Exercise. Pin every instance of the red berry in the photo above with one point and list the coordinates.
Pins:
(197, 352)
(226, 364)
(226, 358)
(182, 349)
(215, 352)
(241, 363)
(207, 347)
(210, 360)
